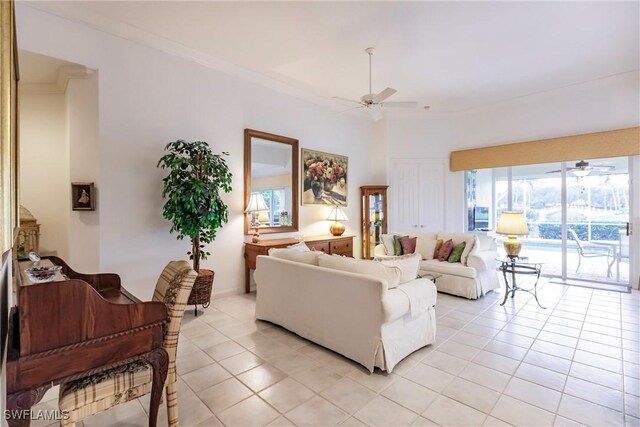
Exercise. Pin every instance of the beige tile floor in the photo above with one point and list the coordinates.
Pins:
(577, 362)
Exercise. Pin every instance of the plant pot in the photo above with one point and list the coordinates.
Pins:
(201, 291)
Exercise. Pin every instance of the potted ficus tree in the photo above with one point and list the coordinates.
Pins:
(193, 203)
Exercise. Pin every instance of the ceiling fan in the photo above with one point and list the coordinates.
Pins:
(374, 103)
(583, 169)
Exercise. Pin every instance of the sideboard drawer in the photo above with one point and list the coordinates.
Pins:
(319, 246)
(342, 247)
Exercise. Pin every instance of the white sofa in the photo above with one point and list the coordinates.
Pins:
(471, 278)
(353, 314)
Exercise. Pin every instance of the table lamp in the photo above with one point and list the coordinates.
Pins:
(336, 215)
(256, 205)
(512, 224)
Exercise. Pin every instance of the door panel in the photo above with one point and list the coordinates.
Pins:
(432, 200)
(404, 196)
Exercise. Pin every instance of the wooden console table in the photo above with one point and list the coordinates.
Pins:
(342, 245)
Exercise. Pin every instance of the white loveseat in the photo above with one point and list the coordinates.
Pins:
(353, 314)
(471, 278)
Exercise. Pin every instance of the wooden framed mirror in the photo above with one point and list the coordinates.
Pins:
(270, 175)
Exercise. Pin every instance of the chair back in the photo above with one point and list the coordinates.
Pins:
(575, 237)
(173, 289)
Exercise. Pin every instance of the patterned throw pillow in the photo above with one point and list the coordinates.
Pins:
(439, 243)
(456, 252)
(445, 250)
(408, 244)
(397, 246)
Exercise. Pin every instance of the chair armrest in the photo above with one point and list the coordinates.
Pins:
(482, 260)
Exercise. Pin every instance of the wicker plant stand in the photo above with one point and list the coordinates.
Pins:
(201, 291)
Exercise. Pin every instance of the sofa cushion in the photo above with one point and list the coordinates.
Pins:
(459, 238)
(301, 246)
(444, 267)
(425, 247)
(396, 302)
(310, 257)
(392, 275)
(408, 245)
(445, 250)
(439, 243)
(397, 246)
(387, 242)
(408, 265)
(456, 252)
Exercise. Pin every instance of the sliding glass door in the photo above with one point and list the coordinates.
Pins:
(577, 213)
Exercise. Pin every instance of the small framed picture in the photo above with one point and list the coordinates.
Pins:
(83, 196)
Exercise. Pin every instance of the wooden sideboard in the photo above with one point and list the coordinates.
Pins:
(342, 245)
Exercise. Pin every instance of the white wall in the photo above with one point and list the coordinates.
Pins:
(44, 168)
(148, 98)
(84, 166)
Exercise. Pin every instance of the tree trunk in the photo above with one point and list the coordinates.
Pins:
(195, 252)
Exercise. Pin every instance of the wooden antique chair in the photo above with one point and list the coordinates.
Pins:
(588, 251)
(90, 395)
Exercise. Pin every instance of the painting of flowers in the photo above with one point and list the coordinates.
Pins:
(324, 178)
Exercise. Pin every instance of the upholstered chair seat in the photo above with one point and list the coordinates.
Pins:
(99, 392)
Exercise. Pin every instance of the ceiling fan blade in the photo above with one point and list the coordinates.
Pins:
(602, 167)
(384, 95)
(554, 171)
(347, 100)
(400, 104)
(375, 112)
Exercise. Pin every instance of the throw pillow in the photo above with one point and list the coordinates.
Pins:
(387, 242)
(439, 243)
(307, 257)
(391, 275)
(426, 247)
(445, 250)
(456, 252)
(408, 244)
(407, 264)
(301, 247)
(397, 246)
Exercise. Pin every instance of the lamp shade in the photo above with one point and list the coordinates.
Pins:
(512, 224)
(337, 214)
(256, 203)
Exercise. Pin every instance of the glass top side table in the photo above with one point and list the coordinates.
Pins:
(513, 266)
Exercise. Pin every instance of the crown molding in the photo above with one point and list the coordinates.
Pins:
(60, 86)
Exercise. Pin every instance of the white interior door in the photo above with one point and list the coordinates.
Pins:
(431, 178)
(404, 196)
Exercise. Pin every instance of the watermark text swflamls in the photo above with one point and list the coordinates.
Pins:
(41, 414)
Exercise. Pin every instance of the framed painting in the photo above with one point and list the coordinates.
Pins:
(324, 178)
(83, 196)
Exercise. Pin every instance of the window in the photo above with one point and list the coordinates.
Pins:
(276, 201)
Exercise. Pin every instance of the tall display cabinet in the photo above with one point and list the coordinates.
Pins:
(373, 199)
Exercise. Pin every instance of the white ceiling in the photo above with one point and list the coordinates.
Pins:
(453, 56)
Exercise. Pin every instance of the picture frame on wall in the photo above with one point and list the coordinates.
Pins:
(324, 178)
(83, 196)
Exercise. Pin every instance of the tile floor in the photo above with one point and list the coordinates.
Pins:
(575, 363)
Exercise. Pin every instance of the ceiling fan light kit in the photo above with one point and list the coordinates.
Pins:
(374, 103)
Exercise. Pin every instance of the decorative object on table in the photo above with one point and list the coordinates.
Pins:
(336, 215)
(83, 196)
(42, 274)
(193, 204)
(28, 238)
(34, 257)
(373, 201)
(256, 205)
(324, 178)
(512, 224)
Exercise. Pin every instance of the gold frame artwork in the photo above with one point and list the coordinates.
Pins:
(9, 155)
(317, 188)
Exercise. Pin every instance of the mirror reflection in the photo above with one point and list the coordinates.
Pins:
(271, 180)
(271, 183)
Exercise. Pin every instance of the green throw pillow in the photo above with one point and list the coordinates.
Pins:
(397, 246)
(456, 253)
